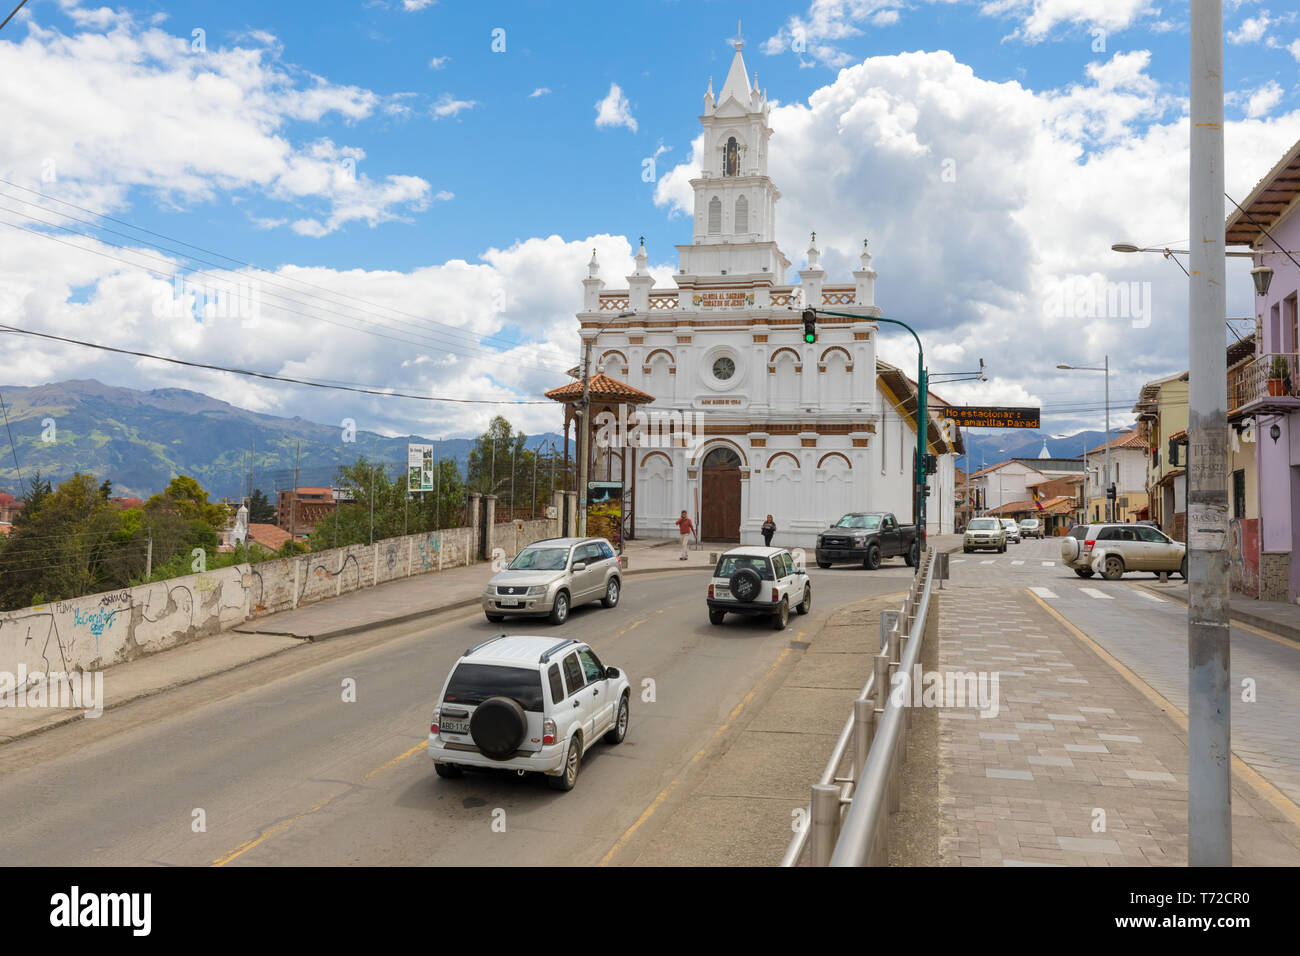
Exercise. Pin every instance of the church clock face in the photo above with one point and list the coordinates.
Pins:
(723, 369)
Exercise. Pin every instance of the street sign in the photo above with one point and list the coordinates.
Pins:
(987, 416)
(419, 467)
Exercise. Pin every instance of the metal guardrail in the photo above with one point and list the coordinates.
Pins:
(877, 733)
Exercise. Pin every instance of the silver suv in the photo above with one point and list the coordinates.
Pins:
(527, 704)
(1114, 549)
(549, 578)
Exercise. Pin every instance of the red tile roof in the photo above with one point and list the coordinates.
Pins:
(1130, 439)
(601, 387)
(268, 536)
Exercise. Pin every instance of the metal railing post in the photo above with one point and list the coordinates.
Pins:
(825, 822)
(864, 729)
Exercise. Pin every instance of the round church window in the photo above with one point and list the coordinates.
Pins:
(723, 369)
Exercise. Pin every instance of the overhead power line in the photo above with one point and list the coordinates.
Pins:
(365, 390)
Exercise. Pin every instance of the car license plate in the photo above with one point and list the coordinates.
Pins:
(448, 726)
(721, 594)
(508, 602)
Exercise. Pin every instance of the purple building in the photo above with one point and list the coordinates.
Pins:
(1267, 389)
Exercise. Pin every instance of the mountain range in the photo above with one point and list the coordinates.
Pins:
(140, 440)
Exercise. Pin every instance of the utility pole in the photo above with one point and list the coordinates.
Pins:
(1110, 511)
(437, 491)
(535, 452)
(148, 556)
(293, 501)
(1209, 785)
(584, 439)
(373, 451)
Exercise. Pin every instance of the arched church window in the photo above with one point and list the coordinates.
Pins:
(722, 457)
(715, 215)
(731, 158)
(742, 215)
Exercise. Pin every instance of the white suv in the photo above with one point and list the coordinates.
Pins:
(528, 704)
(1114, 549)
(758, 581)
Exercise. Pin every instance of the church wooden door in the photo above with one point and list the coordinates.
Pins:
(720, 507)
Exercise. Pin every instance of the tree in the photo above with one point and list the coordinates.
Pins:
(396, 511)
(491, 455)
(186, 497)
(260, 510)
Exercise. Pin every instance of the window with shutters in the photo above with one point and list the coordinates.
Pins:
(715, 216)
(742, 215)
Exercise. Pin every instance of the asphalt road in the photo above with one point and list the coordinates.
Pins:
(267, 765)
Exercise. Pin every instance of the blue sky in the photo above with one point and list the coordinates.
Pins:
(450, 194)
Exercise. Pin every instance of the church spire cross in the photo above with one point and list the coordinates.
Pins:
(739, 36)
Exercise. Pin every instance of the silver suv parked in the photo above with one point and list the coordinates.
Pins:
(1114, 549)
(549, 578)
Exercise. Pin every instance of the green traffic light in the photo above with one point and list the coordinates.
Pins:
(810, 337)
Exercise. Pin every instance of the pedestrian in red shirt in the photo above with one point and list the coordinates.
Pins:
(685, 529)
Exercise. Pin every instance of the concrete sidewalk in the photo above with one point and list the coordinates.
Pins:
(393, 602)
(1083, 764)
(1273, 616)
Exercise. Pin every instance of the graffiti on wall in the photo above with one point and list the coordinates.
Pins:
(1243, 556)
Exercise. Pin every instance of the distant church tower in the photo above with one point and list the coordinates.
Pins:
(1044, 453)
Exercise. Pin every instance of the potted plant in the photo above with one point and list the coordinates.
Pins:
(1277, 376)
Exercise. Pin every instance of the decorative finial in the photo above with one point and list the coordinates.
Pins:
(814, 238)
(739, 35)
(643, 242)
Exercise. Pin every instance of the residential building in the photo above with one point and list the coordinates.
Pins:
(1161, 412)
(1128, 464)
(1266, 391)
(301, 510)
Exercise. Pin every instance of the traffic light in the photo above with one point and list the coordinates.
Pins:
(809, 326)
(931, 464)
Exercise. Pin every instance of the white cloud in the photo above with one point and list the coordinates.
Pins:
(1261, 101)
(540, 91)
(1252, 29)
(1039, 18)
(411, 6)
(614, 110)
(438, 62)
(447, 105)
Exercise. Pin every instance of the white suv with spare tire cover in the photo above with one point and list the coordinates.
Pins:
(527, 704)
(758, 581)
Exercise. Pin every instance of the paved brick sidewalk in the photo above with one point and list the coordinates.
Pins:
(1071, 742)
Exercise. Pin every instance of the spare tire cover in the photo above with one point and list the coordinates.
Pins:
(1069, 548)
(745, 584)
(497, 727)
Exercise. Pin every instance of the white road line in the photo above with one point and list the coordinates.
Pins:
(1044, 593)
(1150, 597)
(957, 561)
(1049, 564)
(989, 561)
(1017, 562)
(1094, 593)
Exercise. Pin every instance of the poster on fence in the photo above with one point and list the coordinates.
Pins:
(419, 467)
(605, 511)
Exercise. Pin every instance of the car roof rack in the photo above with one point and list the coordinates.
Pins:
(563, 644)
(481, 644)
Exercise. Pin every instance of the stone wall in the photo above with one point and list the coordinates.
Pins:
(1274, 575)
(92, 632)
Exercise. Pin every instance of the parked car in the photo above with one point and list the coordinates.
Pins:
(549, 578)
(1031, 528)
(867, 538)
(1115, 549)
(528, 704)
(984, 534)
(1012, 529)
(758, 581)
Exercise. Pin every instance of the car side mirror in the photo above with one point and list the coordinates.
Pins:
(580, 566)
(612, 672)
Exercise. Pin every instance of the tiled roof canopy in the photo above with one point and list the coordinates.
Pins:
(601, 388)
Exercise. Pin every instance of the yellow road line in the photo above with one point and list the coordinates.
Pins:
(284, 824)
(658, 801)
(1266, 790)
(398, 759)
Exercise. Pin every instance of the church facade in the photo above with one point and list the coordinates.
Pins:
(773, 425)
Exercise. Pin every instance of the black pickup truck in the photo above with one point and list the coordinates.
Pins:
(867, 538)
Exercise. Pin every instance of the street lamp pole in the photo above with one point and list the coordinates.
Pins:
(1105, 484)
(922, 416)
(1209, 785)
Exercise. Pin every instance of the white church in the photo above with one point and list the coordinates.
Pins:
(802, 432)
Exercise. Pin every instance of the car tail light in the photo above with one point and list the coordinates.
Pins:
(774, 597)
(433, 727)
(710, 590)
(548, 731)
(1087, 546)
